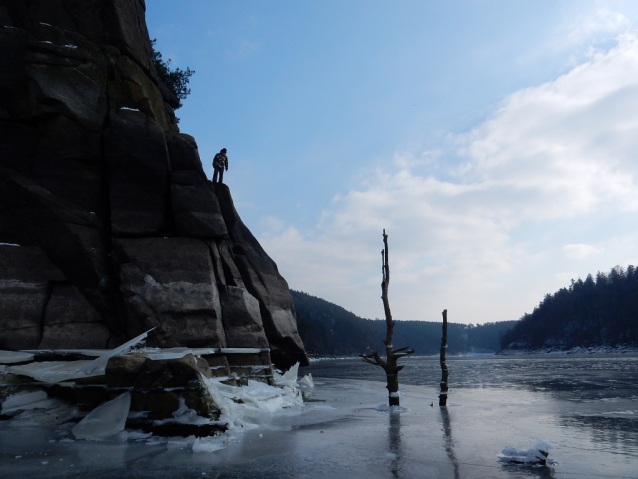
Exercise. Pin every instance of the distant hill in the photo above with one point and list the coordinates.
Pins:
(329, 330)
(594, 312)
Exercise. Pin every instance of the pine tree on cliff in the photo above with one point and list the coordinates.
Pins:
(175, 80)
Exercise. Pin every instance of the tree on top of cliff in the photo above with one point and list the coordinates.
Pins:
(176, 80)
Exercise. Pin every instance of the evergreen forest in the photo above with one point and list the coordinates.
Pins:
(595, 312)
(329, 330)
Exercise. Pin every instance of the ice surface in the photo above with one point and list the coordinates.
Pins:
(10, 357)
(497, 402)
(209, 444)
(106, 420)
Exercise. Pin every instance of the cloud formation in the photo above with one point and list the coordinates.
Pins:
(485, 237)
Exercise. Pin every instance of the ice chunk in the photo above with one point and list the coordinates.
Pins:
(22, 401)
(56, 371)
(10, 357)
(102, 360)
(256, 402)
(105, 420)
(289, 378)
(538, 455)
(307, 382)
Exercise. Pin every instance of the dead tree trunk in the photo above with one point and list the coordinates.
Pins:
(392, 355)
(444, 371)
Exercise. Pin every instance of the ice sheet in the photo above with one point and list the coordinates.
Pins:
(11, 357)
(56, 371)
(106, 420)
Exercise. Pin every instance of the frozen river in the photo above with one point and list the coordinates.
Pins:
(589, 406)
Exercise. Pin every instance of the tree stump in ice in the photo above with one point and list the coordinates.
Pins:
(389, 365)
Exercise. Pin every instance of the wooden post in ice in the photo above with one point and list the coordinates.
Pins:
(392, 355)
(444, 371)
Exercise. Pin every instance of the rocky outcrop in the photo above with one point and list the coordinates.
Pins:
(108, 224)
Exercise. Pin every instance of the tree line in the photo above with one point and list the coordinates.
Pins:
(595, 312)
(329, 330)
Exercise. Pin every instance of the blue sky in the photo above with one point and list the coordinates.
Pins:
(496, 141)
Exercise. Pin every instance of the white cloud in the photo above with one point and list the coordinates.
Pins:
(562, 152)
(247, 48)
(579, 251)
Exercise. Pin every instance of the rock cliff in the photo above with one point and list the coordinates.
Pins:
(108, 223)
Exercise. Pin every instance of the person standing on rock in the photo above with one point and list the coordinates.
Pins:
(219, 163)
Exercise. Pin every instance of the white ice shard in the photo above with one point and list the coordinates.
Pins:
(256, 402)
(538, 455)
(28, 400)
(307, 382)
(289, 378)
(59, 371)
(100, 362)
(10, 357)
(55, 371)
(105, 420)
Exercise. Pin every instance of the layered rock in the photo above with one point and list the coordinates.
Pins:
(118, 229)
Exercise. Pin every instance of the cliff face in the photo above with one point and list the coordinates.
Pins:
(118, 229)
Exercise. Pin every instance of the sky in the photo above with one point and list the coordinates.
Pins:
(496, 142)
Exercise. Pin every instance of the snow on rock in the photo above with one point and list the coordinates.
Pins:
(538, 455)
(105, 421)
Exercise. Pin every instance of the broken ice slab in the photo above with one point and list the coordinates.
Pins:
(307, 382)
(105, 420)
(56, 371)
(102, 360)
(28, 401)
(12, 357)
(538, 455)
(289, 378)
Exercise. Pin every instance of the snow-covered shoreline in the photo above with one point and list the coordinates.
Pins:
(576, 351)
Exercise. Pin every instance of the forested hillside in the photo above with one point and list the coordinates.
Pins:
(327, 329)
(594, 312)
